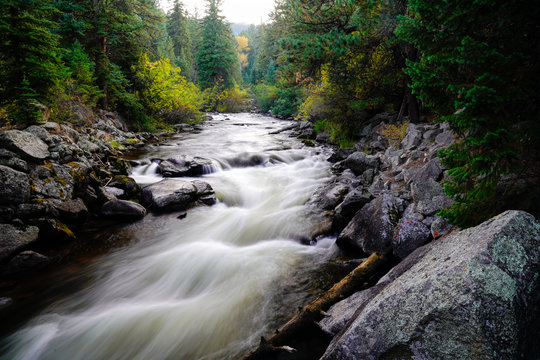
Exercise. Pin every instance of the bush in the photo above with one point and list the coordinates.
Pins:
(229, 100)
(395, 133)
(265, 96)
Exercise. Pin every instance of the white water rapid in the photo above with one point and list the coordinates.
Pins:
(206, 286)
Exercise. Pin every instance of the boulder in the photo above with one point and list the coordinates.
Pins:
(372, 228)
(205, 193)
(72, 211)
(128, 185)
(409, 235)
(123, 209)
(329, 196)
(25, 144)
(14, 186)
(431, 170)
(413, 137)
(353, 202)
(359, 162)
(53, 231)
(52, 181)
(429, 197)
(445, 138)
(439, 227)
(40, 132)
(170, 195)
(13, 239)
(471, 295)
(184, 166)
(26, 261)
(10, 159)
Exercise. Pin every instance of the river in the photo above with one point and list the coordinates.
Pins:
(206, 286)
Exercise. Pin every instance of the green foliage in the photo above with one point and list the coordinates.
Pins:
(165, 92)
(81, 68)
(217, 58)
(265, 96)
(31, 69)
(288, 101)
(225, 100)
(481, 79)
(177, 28)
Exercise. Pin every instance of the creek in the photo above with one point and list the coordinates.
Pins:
(206, 286)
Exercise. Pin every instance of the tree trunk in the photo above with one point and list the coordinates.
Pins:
(305, 322)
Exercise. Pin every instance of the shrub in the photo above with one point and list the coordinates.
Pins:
(395, 132)
(265, 96)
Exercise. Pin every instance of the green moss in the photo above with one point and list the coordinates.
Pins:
(308, 142)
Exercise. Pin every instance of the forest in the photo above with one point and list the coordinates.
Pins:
(333, 63)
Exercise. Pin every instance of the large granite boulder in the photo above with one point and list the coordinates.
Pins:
(172, 194)
(14, 186)
(53, 181)
(372, 228)
(429, 197)
(431, 170)
(25, 144)
(353, 202)
(413, 137)
(184, 166)
(12, 160)
(472, 295)
(123, 210)
(13, 239)
(359, 162)
(409, 235)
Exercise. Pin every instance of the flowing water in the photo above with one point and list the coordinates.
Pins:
(206, 286)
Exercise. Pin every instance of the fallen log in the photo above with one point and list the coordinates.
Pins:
(282, 344)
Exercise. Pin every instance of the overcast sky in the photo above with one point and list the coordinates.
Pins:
(236, 11)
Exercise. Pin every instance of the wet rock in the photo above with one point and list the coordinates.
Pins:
(53, 231)
(431, 170)
(170, 195)
(328, 197)
(114, 191)
(372, 228)
(123, 210)
(10, 159)
(13, 239)
(409, 235)
(247, 160)
(25, 144)
(14, 186)
(25, 262)
(128, 185)
(72, 211)
(184, 127)
(184, 166)
(359, 162)
(353, 202)
(35, 210)
(471, 295)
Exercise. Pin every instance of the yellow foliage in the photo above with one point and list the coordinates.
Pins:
(395, 133)
(243, 50)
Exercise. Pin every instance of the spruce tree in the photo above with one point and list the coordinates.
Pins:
(177, 28)
(217, 58)
(31, 68)
(479, 72)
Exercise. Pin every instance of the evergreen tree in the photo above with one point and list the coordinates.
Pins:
(177, 28)
(31, 68)
(217, 58)
(479, 72)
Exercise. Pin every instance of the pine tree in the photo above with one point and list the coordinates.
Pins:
(217, 59)
(31, 68)
(177, 28)
(479, 72)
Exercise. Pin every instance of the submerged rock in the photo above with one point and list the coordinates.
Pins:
(26, 261)
(170, 195)
(471, 295)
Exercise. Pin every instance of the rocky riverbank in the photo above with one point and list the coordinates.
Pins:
(453, 295)
(55, 178)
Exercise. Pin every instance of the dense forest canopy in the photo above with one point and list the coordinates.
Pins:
(336, 63)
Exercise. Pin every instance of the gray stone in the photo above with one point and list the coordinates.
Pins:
(25, 144)
(53, 230)
(426, 190)
(13, 239)
(87, 145)
(51, 126)
(353, 202)
(184, 166)
(123, 209)
(471, 295)
(434, 205)
(372, 228)
(445, 138)
(170, 195)
(116, 192)
(73, 211)
(35, 210)
(40, 132)
(26, 261)
(52, 181)
(431, 170)
(409, 235)
(328, 197)
(412, 139)
(430, 135)
(10, 159)
(440, 227)
(14, 186)
(359, 162)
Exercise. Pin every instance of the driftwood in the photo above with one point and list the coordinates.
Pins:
(305, 322)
